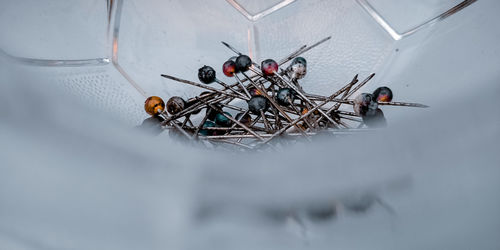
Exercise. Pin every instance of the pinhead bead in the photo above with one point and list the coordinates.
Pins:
(365, 104)
(206, 74)
(211, 113)
(376, 120)
(243, 63)
(175, 105)
(190, 104)
(383, 94)
(285, 96)
(229, 68)
(257, 104)
(154, 105)
(222, 120)
(305, 110)
(299, 60)
(246, 120)
(269, 66)
(206, 132)
(194, 101)
(254, 92)
(152, 125)
(297, 69)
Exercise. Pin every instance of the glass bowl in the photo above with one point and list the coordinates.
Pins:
(111, 54)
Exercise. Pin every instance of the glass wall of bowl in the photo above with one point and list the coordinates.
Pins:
(110, 53)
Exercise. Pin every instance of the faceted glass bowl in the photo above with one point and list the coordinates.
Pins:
(111, 54)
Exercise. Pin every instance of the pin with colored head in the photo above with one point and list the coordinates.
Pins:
(229, 68)
(269, 67)
(211, 113)
(383, 94)
(190, 104)
(152, 125)
(364, 104)
(254, 92)
(297, 69)
(244, 118)
(175, 105)
(243, 63)
(285, 96)
(207, 75)
(207, 132)
(375, 120)
(154, 105)
(222, 120)
(257, 104)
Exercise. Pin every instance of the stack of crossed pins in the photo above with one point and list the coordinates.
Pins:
(266, 102)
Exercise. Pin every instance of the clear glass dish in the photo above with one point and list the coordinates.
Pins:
(111, 54)
(73, 179)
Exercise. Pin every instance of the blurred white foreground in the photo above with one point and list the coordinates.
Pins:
(73, 179)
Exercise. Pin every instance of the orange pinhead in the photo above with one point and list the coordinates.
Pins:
(154, 105)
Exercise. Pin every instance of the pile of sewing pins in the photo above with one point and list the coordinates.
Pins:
(274, 105)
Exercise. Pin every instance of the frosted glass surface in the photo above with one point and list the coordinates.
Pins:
(54, 29)
(180, 37)
(411, 13)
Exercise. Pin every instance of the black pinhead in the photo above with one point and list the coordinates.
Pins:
(243, 63)
(152, 125)
(285, 96)
(190, 103)
(246, 119)
(211, 113)
(206, 74)
(258, 103)
(376, 120)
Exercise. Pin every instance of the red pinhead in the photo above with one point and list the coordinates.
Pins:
(229, 68)
(269, 66)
